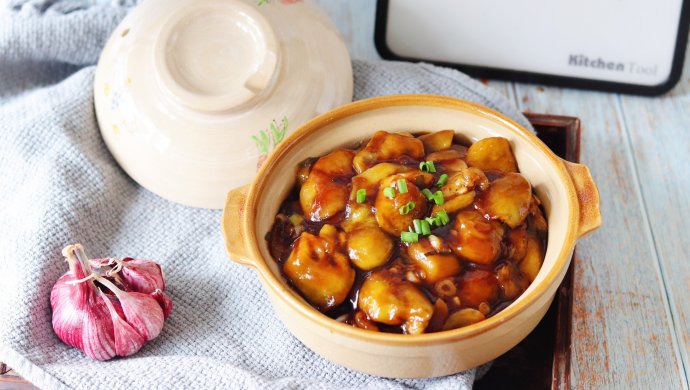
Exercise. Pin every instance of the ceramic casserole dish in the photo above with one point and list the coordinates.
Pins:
(567, 191)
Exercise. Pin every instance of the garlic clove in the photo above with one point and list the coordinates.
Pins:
(63, 298)
(127, 340)
(164, 301)
(81, 324)
(143, 276)
(79, 318)
(141, 311)
(97, 333)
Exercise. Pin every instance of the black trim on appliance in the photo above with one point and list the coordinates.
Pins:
(541, 78)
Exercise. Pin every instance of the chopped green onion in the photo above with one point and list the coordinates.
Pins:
(427, 166)
(389, 192)
(438, 198)
(417, 226)
(427, 192)
(296, 219)
(402, 186)
(442, 180)
(409, 237)
(422, 226)
(405, 209)
(426, 227)
(431, 221)
(442, 217)
(361, 195)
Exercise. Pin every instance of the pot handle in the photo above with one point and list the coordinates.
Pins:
(587, 196)
(235, 237)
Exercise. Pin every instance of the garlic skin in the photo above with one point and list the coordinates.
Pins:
(106, 311)
(141, 311)
(143, 276)
(164, 301)
(80, 318)
(127, 340)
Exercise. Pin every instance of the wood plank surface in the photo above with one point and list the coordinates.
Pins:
(622, 331)
(659, 135)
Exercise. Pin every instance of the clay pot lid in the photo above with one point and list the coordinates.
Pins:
(191, 96)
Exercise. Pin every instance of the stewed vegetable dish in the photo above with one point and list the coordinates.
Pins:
(411, 234)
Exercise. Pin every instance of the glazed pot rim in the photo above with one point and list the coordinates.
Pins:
(259, 185)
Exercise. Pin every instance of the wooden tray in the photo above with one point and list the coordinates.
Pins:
(540, 361)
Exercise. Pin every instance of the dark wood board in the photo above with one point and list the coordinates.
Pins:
(542, 360)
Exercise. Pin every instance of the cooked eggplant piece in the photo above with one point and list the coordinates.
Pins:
(335, 237)
(536, 218)
(455, 204)
(517, 243)
(390, 300)
(395, 214)
(319, 270)
(385, 146)
(484, 308)
(362, 321)
(325, 192)
(477, 286)
(369, 247)
(361, 214)
(534, 257)
(458, 191)
(303, 170)
(419, 178)
(507, 199)
(437, 141)
(493, 153)
(369, 180)
(475, 238)
(511, 280)
(432, 265)
(463, 317)
(464, 181)
(439, 317)
(358, 215)
(449, 161)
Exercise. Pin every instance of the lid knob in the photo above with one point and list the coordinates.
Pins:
(215, 55)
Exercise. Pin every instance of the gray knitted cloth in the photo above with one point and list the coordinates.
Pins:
(59, 185)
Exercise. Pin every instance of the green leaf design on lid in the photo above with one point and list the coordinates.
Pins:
(279, 132)
(263, 142)
(268, 139)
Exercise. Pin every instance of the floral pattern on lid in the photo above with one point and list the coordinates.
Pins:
(267, 139)
(189, 130)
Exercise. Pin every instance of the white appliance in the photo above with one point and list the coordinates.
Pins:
(633, 46)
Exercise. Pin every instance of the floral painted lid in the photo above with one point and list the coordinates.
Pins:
(192, 95)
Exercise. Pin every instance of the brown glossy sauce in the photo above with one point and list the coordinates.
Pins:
(477, 286)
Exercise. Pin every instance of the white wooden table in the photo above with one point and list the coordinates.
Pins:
(631, 308)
